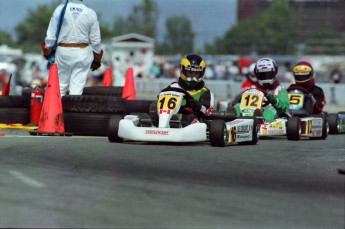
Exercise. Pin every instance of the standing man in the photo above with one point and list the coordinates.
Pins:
(78, 45)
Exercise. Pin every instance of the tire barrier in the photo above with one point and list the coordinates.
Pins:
(15, 101)
(105, 91)
(93, 104)
(87, 124)
(14, 115)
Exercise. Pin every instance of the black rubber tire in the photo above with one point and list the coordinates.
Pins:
(216, 134)
(93, 104)
(86, 124)
(14, 115)
(333, 121)
(102, 90)
(15, 101)
(293, 128)
(113, 129)
(139, 106)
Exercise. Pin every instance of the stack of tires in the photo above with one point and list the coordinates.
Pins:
(85, 115)
(15, 108)
(89, 114)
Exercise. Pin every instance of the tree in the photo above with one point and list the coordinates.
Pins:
(5, 38)
(179, 36)
(144, 17)
(272, 32)
(32, 31)
(120, 27)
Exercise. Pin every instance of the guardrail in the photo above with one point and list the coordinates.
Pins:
(227, 90)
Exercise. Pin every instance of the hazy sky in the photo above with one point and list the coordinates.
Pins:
(210, 18)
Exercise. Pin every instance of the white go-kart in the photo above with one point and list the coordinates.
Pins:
(219, 128)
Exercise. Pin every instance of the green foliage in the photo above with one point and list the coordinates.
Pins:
(272, 32)
(5, 38)
(179, 36)
(32, 31)
(119, 27)
(143, 18)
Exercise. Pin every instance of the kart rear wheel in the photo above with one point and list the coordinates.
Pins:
(333, 121)
(217, 133)
(113, 129)
(293, 128)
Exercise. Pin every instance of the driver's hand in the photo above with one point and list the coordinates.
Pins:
(272, 99)
(194, 104)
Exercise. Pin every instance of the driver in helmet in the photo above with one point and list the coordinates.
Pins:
(251, 80)
(304, 79)
(276, 99)
(201, 101)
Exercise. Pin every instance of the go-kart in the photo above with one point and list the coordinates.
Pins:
(219, 128)
(293, 126)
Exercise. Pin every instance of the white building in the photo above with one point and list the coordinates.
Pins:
(130, 50)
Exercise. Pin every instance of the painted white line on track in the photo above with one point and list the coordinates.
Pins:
(26, 180)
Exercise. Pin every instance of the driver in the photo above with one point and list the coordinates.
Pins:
(200, 103)
(304, 77)
(276, 99)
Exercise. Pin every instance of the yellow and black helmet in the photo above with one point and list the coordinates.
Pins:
(303, 72)
(192, 69)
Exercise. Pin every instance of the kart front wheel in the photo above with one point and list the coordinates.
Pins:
(113, 129)
(217, 133)
(293, 128)
(333, 121)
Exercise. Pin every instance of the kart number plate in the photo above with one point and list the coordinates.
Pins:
(251, 99)
(168, 102)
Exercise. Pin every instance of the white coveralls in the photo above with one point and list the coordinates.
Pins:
(80, 26)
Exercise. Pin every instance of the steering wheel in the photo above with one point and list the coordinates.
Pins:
(298, 88)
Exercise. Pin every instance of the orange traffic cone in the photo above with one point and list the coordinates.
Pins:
(108, 78)
(129, 87)
(6, 88)
(51, 119)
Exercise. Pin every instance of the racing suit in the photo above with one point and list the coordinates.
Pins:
(315, 94)
(200, 104)
(276, 102)
(78, 44)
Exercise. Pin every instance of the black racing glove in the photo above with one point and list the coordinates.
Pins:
(194, 104)
(97, 61)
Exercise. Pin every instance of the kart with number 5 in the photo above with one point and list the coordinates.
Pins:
(293, 126)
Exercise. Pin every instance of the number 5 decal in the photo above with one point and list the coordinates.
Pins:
(296, 99)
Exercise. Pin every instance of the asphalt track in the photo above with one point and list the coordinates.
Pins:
(89, 182)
